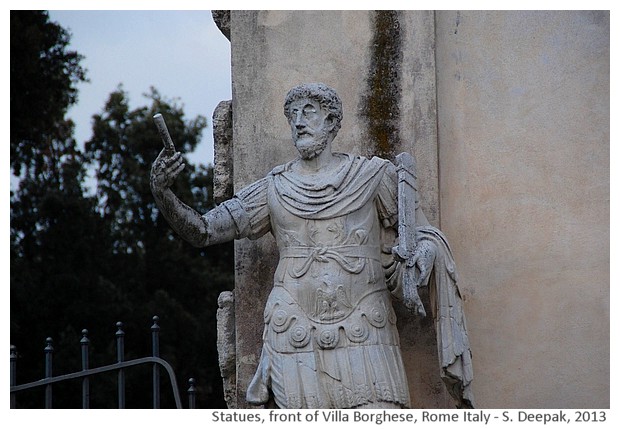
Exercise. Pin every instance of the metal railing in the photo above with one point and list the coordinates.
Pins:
(120, 366)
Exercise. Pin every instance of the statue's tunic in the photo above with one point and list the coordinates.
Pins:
(330, 338)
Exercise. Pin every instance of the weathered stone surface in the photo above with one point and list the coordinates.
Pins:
(226, 346)
(223, 152)
(222, 20)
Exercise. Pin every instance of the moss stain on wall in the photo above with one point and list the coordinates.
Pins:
(380, 103)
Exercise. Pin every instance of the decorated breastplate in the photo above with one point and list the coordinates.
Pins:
(329, 287)
(328, 265)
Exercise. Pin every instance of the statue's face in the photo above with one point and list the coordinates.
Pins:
(310, 126)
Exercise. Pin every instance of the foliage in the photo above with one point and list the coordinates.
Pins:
(87, 261)
(169, 277)
(44, 74)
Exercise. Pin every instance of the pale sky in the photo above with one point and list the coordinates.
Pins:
(180, 53)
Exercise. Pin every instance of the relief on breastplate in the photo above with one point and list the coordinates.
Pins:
(328, 265)
(312, 243)
(331, 303)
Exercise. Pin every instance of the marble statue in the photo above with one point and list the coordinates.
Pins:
(351, 239)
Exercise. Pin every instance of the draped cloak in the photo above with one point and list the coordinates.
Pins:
(330, 338)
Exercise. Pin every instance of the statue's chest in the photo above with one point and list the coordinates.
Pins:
(328, 265)
(358, 227)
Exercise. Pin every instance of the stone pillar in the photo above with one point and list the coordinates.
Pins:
(382, 66)
(223, 152)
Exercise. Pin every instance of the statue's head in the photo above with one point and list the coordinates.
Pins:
(326, 96)
(314, 112)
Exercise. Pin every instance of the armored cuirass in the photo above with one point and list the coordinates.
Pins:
(329, 288)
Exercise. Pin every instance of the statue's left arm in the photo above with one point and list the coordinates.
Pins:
(433, 258)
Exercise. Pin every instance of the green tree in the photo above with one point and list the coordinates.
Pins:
(48, 268)
(44, 75)
(157, 271)
(82, 261)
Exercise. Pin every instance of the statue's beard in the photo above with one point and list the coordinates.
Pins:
(310, 147)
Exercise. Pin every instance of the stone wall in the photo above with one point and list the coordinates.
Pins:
(523, 101)
(507, 114)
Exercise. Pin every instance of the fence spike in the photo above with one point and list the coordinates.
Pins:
(155, 326)
(156, 378)
(120, 343)
(120, 332)
(13, 372)
(49, 351)
(84, 343)
(49, 347)
(84, 339)
(191, 394)
(120, 354)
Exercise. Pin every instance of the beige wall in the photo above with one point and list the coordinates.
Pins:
(513, 153)
(523, 102)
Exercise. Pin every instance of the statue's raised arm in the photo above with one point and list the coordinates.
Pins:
(214, 227)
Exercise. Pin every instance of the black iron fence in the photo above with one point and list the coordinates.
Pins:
(119, 367)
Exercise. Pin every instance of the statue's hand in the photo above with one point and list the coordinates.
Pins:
(424, 258)
(165, 170)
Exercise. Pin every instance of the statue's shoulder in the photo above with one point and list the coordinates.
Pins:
(380, 164)
(375, 161)
(381, 161)
(279, 169)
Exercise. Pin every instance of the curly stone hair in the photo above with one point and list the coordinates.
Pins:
(323, 94)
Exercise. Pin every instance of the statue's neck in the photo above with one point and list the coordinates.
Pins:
(324, 161)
